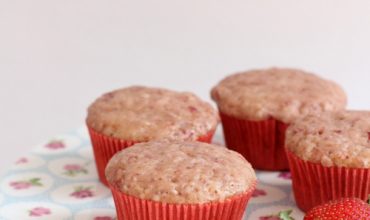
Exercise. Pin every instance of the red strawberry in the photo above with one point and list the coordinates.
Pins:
(346, 209)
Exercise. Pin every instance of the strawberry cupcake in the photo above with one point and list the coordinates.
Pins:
(135, 114)
(257, 106)
(180, 180)
(329, 157)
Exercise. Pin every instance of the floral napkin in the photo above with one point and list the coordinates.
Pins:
(58, 180)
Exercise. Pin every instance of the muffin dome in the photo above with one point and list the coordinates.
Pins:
(335, 139)
(281, 93)
(180, 172)
(140, 114)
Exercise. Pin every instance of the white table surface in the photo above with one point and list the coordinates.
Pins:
(57, 56)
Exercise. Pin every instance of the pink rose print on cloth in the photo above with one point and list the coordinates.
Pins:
(27, 163)
(39, 211)
(82, 192)
(258, 193)
(21, 160)
(281, 215)
(74, 169)
(285, 175)
(25, 184)
(55, 145)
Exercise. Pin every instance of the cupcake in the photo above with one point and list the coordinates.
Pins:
(329, 157)
(257, 106)
(135, 114)
(180, 180)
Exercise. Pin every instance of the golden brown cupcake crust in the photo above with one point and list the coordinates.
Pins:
(281, 93)
(180, 172)
(140, 113)
(332, 139)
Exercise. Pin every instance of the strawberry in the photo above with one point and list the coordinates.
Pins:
(346, 209)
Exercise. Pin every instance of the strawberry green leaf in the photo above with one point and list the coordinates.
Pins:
(285, 215)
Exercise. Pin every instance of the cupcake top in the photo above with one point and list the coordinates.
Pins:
(140, 113)
(336, 139)
(282, 93)
(180, 172)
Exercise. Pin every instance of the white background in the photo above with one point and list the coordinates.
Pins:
(57, 56)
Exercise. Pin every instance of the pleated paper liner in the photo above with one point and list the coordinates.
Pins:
(314, 184)
(260, 142)
(105, 147)
(133, 208)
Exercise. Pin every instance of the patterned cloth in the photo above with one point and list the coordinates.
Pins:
(58, 180)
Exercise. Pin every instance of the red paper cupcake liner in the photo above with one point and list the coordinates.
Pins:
(314, 184)
(260, 142)
(105, 147)
(133, 208)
